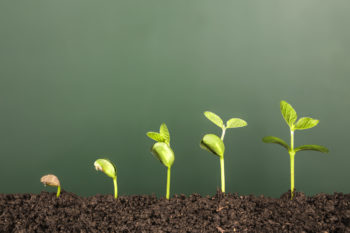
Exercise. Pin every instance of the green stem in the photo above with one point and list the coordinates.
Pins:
(291, 155)
(292, 175)
(58, 191)
(115, 187)
(168, 184)
(223, 134)
(222, 167)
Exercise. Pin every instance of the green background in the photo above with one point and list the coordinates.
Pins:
(87, 79)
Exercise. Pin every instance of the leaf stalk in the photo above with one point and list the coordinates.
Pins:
(223, 133)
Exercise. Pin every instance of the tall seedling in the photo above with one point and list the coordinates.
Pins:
(290, 116)
(214, 144)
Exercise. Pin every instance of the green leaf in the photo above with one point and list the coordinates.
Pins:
(164, 132)
(312, 147)
(271, 139)
(288, 113)
(164, 153)
(306, 123)
(213, 144)
(107, 167)
(235, 123)
(214, 118)
(156, 136)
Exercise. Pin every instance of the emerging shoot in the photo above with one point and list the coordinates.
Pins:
(162, 151)
(214, 144)
(290, 116)
(51, 180)
(107, 167)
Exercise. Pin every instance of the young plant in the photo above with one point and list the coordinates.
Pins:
(51, 180)
(214, 144)
(162, 150)
(106, 166)
(290, 116)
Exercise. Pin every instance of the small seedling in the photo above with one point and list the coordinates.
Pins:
(162, 150)
(107, 167)
(290, 116)
(51, 180)
(214, 144)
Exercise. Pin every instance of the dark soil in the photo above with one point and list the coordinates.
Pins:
(221, 213)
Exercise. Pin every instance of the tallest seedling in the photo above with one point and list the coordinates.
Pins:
(290, 116)
(214, 144)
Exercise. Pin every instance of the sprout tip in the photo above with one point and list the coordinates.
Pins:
(98, 167)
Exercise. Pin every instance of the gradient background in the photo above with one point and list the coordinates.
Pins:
(86, 79)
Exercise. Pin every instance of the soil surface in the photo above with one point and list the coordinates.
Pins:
(220, 213)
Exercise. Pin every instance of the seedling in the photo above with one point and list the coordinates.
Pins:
(290, 116)
(214, 144)
(162, 150)
(51, 180)
(110, 170)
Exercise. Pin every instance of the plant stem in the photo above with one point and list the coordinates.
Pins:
(115, 187)
(168, 184)
(222, 167)
(58, 191)
(291, 155)
(223, 133)
(292, 175)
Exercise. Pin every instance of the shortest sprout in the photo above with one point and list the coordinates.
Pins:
(107, 167)
(51, 180)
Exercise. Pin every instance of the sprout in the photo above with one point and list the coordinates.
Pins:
(214, 144)
(161, 149)
(290, 116)
(51, 180)
(106, 166)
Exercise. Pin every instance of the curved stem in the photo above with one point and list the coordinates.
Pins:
(58, 191)
(222, 167)
(115, 187)
(168, 184)
(223, 134)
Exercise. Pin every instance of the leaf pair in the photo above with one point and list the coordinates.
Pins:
(162, 136)
(290, 116)
(232, 123)
(271, 139)
(161, 149)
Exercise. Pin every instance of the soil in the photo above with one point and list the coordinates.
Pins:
(220, 213)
